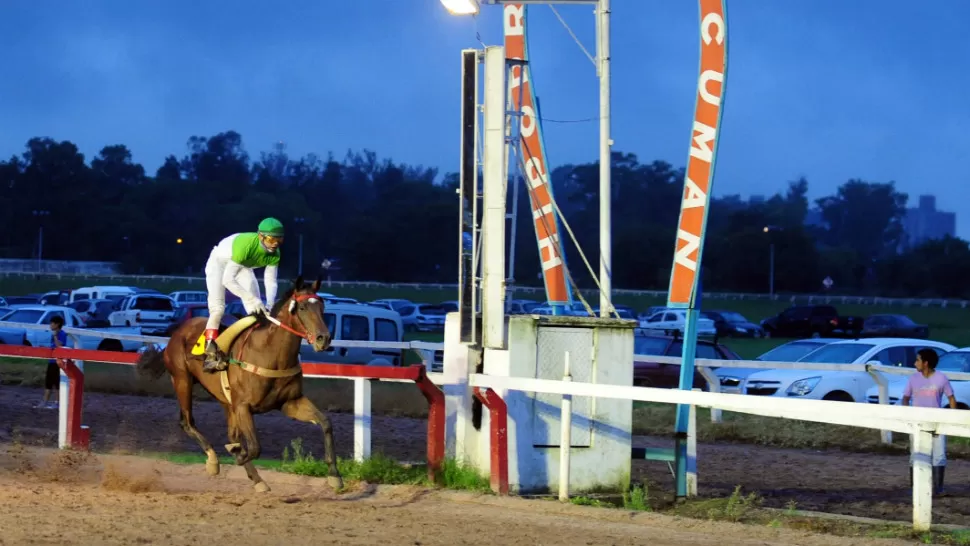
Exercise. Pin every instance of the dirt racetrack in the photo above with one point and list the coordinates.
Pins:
(871, 485)
(65, 498)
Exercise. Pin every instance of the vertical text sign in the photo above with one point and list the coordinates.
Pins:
(533, 154)
(700, 162)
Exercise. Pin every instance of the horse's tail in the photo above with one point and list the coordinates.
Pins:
(151, 363)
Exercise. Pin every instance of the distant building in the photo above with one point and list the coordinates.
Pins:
(925, 223)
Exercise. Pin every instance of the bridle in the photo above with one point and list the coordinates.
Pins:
(294, 300)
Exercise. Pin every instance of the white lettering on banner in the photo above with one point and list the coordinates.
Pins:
(693, 195)
(513, 20)
(712, 20)
(535, 172)
(705, 134)
(706, 77)
(546, 247)
(691, 244)
(528, 126)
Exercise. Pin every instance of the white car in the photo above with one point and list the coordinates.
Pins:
(954, 361)
(669, 321)
(839, 385)
(731, 379)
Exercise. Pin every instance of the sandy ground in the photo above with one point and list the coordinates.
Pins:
(868, 485)
(64, 498)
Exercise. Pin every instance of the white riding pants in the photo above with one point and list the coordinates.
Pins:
(214, 269)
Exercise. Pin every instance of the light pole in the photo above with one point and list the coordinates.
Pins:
(40, 214)
(299, 266)
(471, 7)
(771, 260)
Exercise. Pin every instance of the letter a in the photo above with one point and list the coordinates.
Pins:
(693, 195)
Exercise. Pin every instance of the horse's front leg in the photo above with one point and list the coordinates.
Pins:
(235, 449)
(245, 427)
(302, 409)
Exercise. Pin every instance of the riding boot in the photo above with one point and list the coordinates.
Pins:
(215, 360)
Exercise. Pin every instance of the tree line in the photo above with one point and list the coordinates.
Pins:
(377, 219)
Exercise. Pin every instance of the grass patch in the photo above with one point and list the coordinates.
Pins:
(378, 469)
(747, 509)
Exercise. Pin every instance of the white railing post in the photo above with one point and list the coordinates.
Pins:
(714, 385)
(692, 450)
(883, 385)
(565, 437)
(922, 450)
(362, 418)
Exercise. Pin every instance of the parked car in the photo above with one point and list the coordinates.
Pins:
(670, 321)
(954, 361)
(422, 317)
(95, 312)
(519, 307)
(55, 297)
(102, 293)
(667, 376)
(152, 312)
(731, 324)
(349, 322)
(894, 326)
(189, 296)
(42, 314)
(394, 304)
(624, 312)
(651, 311)
(839, 385)
(811, 321)
(188, 311)
(732, 379)
(22, 300)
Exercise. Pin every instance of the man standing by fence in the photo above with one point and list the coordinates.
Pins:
(925, 389)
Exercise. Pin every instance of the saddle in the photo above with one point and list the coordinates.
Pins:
(225, 340)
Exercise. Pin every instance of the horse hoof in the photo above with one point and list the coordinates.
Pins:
(335, 482)
(233, 448)
(212, 469)
(261, 487)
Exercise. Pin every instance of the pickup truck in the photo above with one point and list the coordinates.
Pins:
(42, 315)
(152, 312)
(811, 321)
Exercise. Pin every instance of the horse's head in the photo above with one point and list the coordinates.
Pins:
(306, 307)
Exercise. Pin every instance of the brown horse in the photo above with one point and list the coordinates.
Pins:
(264, 375)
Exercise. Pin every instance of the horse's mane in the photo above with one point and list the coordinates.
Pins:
(282, 299)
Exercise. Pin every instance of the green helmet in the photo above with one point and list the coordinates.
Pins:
(271, 227)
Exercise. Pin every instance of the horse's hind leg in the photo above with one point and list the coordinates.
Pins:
(302, 409)
(235, 448)
(183, 390)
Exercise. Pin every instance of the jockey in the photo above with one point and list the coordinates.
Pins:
(230, 267)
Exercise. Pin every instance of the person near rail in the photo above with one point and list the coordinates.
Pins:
(230, 267)
(53, 375)
(925, 389)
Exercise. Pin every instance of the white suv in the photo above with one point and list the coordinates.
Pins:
(839, 385)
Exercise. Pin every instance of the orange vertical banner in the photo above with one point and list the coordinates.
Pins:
(533, 156)
(691, 227)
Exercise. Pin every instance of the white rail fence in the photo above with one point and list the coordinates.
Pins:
(920, 423)
(160, 280)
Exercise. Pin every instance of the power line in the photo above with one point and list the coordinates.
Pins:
(584, 120)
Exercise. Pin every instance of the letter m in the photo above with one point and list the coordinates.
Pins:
(701, 143)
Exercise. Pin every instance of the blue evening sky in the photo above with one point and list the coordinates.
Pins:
(828, 89)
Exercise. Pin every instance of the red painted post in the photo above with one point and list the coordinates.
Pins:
(499, 439)
(78, 437)
(436, 424)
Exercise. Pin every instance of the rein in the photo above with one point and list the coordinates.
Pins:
(266, 372)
